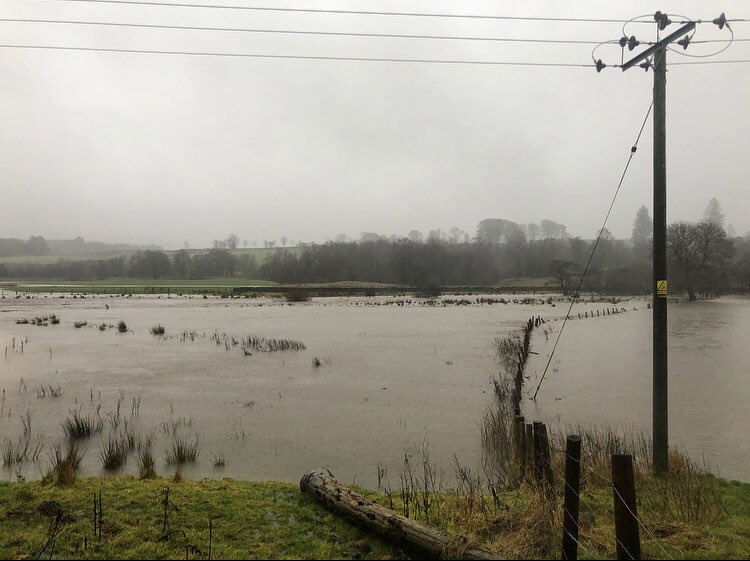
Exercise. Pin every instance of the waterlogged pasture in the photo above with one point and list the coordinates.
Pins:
(272, 390)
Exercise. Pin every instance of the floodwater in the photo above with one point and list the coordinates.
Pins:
(392, 378)
(602, 373)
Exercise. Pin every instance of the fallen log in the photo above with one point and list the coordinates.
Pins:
(324, 487)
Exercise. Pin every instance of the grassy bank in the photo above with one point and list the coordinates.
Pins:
(249, 520)
(274, 520)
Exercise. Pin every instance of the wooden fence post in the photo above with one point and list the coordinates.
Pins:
(537, 452)
(572, 497)
(626, 515)
(546, 456)
(519, 434)
(529, 450)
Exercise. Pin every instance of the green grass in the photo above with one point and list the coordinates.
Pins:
(250, 521)
(137, 286)
(264, 520)
(260, 254)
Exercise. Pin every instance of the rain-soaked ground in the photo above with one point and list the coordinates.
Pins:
(391, 378)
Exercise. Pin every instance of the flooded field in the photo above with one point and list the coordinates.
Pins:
(391, 377)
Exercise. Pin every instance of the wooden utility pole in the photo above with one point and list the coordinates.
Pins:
(660, 377)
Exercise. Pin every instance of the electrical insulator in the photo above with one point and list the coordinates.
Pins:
(685, 41)
(600, 65)
(645, 65)
(623, 41)
(721, 21)
(662, 20)
(633, 43)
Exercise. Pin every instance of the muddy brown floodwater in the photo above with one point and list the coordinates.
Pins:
(392, 377)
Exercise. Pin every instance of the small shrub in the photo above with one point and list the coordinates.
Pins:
(429, 291)
(79, 324)
(54, 320)
(297, 296)
(122, 327)
(158, 330)
(102, 326)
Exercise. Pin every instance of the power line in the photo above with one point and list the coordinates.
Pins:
(352, 12)
(301, 32)
(696, 62)
(633, 150)
(300, 57)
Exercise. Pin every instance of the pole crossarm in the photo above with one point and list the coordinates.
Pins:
(687, 28)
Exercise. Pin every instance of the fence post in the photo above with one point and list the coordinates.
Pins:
(626, 515)
(572, 499)
(537, 452)
(519, 436)
(529, 449)
(546, 456)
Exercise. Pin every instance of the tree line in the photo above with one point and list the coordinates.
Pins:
(702, 258)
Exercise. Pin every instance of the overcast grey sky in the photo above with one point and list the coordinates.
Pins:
(162, 149)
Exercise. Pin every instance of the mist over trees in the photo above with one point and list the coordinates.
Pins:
(37, 245)
(702, 258)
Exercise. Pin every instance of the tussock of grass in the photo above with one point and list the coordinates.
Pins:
(218, 460)
(64, 468)
(113, 453)
(158, 330)
(146, 463)
(183, 451)
(81, 426)
(122, 327)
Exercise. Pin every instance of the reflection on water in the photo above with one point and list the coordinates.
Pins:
(390, 376)
(602, 373)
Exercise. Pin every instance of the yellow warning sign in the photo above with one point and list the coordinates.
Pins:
(661, 288)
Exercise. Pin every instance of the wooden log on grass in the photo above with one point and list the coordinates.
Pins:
(324, 487)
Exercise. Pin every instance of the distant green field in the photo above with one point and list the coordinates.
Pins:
(137, 286)
(527, 282)
(260, 254)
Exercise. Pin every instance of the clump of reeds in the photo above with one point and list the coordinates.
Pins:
(54, 320)
(27, 449)
(79, 324)
(507, 350)
(218, 460)
(183, 451)
(64, 469)
(49, 390)
(113, 453)
(496, 426)
(81, 426)
(264, 344)
(316, 362)
(146, 463)
(22, 321)
(158, 330)
(102, 326)
(122, 327)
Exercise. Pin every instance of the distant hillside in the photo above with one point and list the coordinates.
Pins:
(37, 246)
(79, 245)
